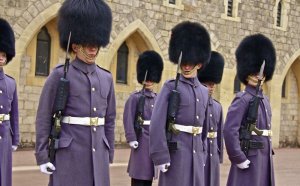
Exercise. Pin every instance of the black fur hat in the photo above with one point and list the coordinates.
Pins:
(151, 61)
(251, 53)
(193, 40)
(214, 70)
(7, 40)
(89, 21)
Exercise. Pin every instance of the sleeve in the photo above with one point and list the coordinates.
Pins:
(44, 118)
(129, 117)
(159, 151)
(220, 135)
(110, 118)
(231, 130)
(14, 118)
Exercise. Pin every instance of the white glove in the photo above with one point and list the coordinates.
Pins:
(243, 165)
(43, 168)
(163, 167)
(134, 144)
(14, 147)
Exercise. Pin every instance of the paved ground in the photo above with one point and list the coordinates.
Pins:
(26, 173)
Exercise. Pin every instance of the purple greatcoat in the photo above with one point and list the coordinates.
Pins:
(187, 163)
(261, 170)
(9, 130)
(214, 145)
(84, 152)
(140, 165)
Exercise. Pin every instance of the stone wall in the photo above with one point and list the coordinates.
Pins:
(156, 19)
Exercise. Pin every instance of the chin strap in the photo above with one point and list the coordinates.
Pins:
(189, 72)
(87, 57)
(252, 80)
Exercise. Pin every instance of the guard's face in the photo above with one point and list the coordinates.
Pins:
(86, 53)
(3, 59)
(189, 71)
(149, 85)
(211, 87)
(253, 80)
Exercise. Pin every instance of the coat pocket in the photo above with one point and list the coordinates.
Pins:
(106, 142)
(64, 142)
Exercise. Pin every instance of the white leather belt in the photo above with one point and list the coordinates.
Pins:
(189, 129)
(265, 133)
(86, 121)
(212, 134)
(4, 117)
(146, 122)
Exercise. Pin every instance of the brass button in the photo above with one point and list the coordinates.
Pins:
(0, 91)
(93, 89)
(210, 154)
(94, 129)
(94, 108)
(1, 106)
(210, 141)
(94, 150)
(152, 106)
(194, 151)
(0, 137)
(197, 117)
(210, 115)
(197, 100)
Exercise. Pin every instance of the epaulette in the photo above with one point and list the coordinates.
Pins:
(10, 76)
(103, 69)
(241, 93)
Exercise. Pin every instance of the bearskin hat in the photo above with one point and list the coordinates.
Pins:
(193, 40)
(214, 70)
(152, 62)
(7, 40)
(89, 21)
(251, 53)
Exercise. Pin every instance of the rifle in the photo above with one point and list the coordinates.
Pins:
(173, 104)
(139, 121)
(59, 106)
(251, 120)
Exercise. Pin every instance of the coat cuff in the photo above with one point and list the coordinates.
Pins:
(111, 156)
(130, 138)
(161, 157)
(42, 157)
(238, 159)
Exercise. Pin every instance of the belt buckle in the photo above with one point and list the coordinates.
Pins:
(94, 121)
(270, 133)
(195, 130)
(211, 134)
(1, 117)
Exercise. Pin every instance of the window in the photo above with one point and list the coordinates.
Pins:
(237, 85)
(43, 51)
(280, 14)
(279, 11)
(122, 64)
(177, 4)
(230, 8)
(172, 2)
(283, 89)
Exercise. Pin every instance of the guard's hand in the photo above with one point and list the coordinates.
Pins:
(134, 144)
(243, 165)
(14, 147)
(45, 166)
(163, 167)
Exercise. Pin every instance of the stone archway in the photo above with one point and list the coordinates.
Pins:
(290, 107)
(27, 34)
